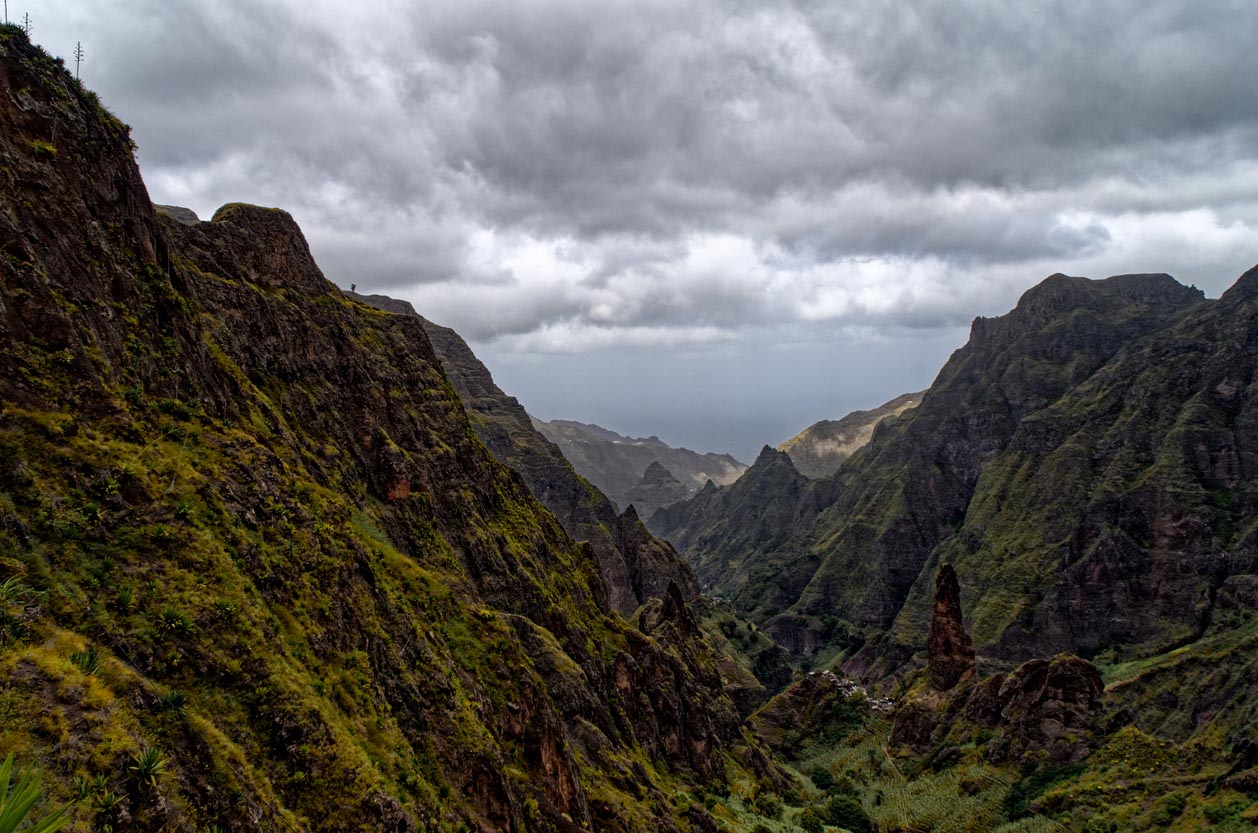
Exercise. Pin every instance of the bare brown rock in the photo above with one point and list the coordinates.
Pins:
(1049, 706)
(950, 652)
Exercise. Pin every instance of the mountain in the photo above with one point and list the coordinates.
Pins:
(635, 565)
(1083, 464)
(658, 487)
(618, 465)
(726, 533)
(262, 567)
(818, 450)
(914, 486)
(258, 570)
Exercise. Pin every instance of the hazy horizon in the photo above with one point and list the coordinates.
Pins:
(735, 402)
(712, 221)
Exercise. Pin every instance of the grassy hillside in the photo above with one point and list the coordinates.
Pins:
(258, 571)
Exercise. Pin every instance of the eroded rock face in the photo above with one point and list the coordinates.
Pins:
(949, 650)
(635, 566)
(1045, 710)
(1049, 706)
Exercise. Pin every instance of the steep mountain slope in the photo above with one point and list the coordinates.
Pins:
(1114, 517)
(635, 566)
(726, 533)
(1043, 446)
(910, 488)
(258, 571)
(617, 464)
(818, 450)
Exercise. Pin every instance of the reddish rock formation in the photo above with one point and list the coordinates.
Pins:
(1043, 710)
(950, 652)
(1048, 706)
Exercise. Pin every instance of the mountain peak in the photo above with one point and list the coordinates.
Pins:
(768, 455)
(1246, 286)
(265, 247)
(657, 475)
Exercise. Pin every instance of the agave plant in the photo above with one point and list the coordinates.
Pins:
(18, 799)
(150, 765)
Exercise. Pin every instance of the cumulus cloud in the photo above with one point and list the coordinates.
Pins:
(554, 176)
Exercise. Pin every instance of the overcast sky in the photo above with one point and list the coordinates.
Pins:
(712, 221)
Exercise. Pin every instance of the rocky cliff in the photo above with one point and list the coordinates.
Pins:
(258, 570)
(1083, 462)
(635, 566)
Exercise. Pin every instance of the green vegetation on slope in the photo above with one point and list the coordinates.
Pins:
(257, 569)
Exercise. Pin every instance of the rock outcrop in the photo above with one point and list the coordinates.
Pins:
(657, 488)
(1044, 712)
(950, 654)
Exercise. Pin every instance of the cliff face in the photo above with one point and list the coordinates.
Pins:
(1083, 462)
(911, 487)
(246, 524)
(635, 566)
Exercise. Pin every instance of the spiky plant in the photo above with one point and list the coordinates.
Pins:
(87, 661)
(150, 765)
(17, 800)
(174, 701)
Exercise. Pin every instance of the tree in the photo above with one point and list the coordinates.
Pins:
(17, 802)
(78, 58)
(26, 24)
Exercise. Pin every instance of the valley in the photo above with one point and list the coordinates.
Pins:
(279, 556)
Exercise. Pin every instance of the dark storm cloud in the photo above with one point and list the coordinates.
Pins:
(563, 176)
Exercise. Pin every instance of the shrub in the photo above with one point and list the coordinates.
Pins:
(174, 701)
(821, 778)
(87, 661)
(124, 599)
(171, 621)
(768, 805)
(843, 811)
(812, 821)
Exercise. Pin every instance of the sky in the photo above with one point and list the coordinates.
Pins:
(715, 222)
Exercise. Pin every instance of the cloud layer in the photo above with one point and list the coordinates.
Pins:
(556, 176)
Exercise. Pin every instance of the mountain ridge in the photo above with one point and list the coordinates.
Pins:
(616, 464)
(819, 449)
(635, 566)
(252, 544)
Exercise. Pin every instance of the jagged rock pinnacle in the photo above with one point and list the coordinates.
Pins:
(950, 654)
